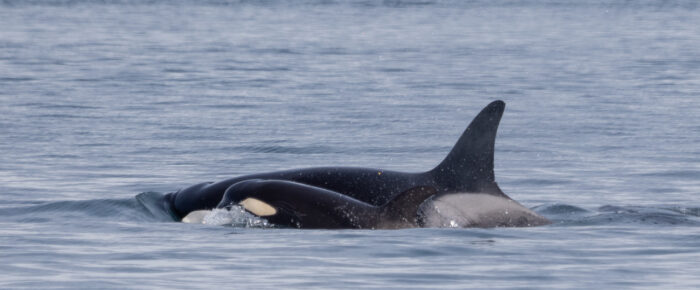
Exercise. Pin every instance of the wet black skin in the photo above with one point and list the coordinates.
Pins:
(467, 168)
(304, 206)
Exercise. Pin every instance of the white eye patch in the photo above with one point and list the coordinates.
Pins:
(257, 207)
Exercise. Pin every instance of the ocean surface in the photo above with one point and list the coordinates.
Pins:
(105, 100)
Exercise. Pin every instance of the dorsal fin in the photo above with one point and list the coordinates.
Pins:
(403, 209)
(469, 166)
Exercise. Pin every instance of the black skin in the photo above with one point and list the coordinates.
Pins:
(304, 206)
(467, 168)
(372, 186)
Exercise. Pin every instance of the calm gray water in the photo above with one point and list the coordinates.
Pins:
(102, 100)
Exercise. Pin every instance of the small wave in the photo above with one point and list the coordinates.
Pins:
(691, 211)
(274, 51)
(43, 105)
(16, 79)
(682, 174)
(563, 214)
(59, 116)
(397, 3)
(285, 149)
(542, 182)
(253, 69)
(113, 209)
(393, 70)
(559, 209)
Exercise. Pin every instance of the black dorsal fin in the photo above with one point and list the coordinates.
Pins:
(469, 166)
(402, 211)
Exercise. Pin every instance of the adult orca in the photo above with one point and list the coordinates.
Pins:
(467, 169)
(291, 204)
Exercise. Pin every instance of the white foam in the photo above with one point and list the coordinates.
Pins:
(236, 217)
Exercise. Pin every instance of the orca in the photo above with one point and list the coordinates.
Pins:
(291, 204)
(466, 170)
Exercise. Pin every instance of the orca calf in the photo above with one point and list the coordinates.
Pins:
(466, 171)
(291, 204)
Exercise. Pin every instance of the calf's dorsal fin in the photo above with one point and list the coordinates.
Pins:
(402, 210)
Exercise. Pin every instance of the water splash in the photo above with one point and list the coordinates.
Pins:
(235, 217)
